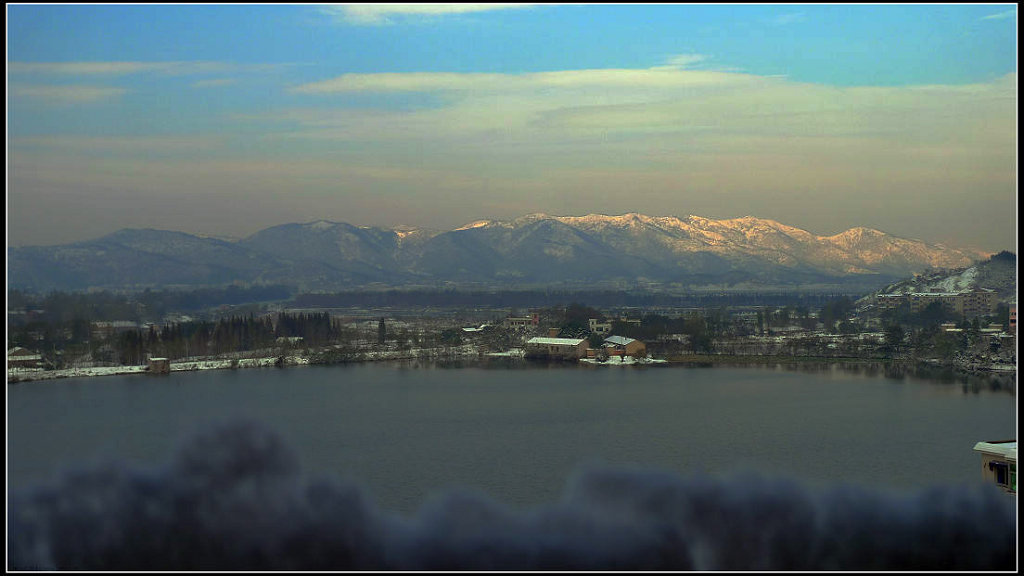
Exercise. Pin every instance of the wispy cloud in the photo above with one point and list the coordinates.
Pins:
(214, 83)
(83, 146)
(587, 128)
(108, 69)
(685, 60)
(65, 94)
(382, 14)
(791, 18)
(1000, 15)
(658, 77)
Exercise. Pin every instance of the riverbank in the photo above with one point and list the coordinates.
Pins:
(752, 360)
(16, 375)
(322, 357)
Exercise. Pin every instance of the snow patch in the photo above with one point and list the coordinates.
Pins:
(959, 282)
(320, 225)
(623, 361)
(477, 224)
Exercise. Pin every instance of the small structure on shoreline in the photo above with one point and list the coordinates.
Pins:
(159, 366)
(19, 357)
(557, 348)
(624, 346)
(999, 463)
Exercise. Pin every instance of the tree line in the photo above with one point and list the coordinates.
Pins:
(553, 297)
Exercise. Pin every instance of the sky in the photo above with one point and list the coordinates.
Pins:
(226, 119)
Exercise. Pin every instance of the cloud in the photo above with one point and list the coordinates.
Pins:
(684, 60)
(65, 94)
(127, 68)
(381, 14)
(791, 18)
(98, 68)
(86, 146)
(716, 107)
(659, 77)
(1000, 15)
(214, 83)
(233, 498)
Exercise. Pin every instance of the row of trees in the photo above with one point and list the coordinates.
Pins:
(179, 340)
(235, 334)
(554, 298)
(149, 305)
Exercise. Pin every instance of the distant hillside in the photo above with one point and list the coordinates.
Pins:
(998, 273)
(593, 251)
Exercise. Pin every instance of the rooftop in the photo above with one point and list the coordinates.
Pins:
(1004, 448)
(556, 341)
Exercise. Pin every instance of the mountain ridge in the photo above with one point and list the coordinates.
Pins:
(533, 249)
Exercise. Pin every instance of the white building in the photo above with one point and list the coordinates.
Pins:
(999, 463)
(557, 348)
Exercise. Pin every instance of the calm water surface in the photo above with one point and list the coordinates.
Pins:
(406, 431)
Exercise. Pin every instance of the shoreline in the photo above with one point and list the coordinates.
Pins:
(19, 375)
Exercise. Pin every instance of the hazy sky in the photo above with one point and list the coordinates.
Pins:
(228, 119)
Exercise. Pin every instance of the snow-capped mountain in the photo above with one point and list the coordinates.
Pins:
(532, 250)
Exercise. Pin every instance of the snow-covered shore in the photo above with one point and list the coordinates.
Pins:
(623, 361)
(32, 374)
(183, 365)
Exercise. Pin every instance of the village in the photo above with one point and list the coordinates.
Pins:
(278, 335)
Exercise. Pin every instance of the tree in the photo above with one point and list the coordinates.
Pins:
(933, 314)
(451, 336)
(894, 335)
(1002, 315)
(944, 345)
(834, 311)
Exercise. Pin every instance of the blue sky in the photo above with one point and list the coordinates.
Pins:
(227, 119)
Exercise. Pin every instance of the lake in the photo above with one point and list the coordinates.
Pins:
(519, 430)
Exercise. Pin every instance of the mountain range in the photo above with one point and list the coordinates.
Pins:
(531, 251)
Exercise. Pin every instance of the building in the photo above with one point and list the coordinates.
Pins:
(521, 322)
(19, 357)
(598, 327)
(159, 366)
(556, 348)
(1013, 320)
(950, 328)
(968, 303)
(623, 346)
(978, 302)
(102, 330)
(999, 463)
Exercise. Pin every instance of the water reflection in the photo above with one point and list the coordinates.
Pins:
(970, 382)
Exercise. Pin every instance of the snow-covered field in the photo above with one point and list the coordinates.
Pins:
(23, 374)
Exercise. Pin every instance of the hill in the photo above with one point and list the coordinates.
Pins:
(999, 273)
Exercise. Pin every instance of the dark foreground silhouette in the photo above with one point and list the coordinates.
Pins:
(233, 499)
